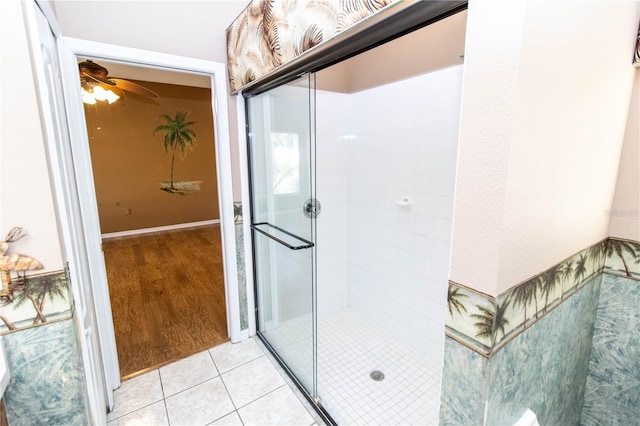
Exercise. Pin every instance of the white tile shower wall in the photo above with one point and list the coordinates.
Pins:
(403, 145)
(332, 186)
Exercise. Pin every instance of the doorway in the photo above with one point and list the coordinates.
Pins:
(74, 164)
(158, 212)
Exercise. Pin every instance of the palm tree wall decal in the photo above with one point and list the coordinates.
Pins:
(178, 134)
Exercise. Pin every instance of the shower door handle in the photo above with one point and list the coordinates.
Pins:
(295, 242)
(311, 208)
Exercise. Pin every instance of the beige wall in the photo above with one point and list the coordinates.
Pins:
(546, 91)
(186, 28)
(25, 192)
(129, 161)
(625, 213)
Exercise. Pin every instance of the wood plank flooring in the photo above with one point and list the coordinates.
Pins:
(167, 296)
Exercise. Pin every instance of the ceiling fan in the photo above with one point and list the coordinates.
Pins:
(98, 86)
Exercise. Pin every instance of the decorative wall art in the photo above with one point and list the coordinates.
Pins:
(178, 135)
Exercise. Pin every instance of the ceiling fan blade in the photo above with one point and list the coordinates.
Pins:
(134, 88)
(88, 76)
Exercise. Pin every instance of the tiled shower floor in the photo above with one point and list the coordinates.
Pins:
(349, 348)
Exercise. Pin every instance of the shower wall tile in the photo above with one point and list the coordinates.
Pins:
(47, 384)
(332, 190)
(613, 382)
(403, 144)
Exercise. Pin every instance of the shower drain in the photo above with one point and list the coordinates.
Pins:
(377, 375)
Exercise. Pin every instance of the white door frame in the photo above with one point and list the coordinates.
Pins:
(69, 50)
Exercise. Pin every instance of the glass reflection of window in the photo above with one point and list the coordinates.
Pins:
(286, 163)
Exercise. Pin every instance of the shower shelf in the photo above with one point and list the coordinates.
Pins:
(293, 245)
(404, 202)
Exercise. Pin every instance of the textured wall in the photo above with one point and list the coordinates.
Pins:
(25, 189)
(625, 211)
(534, 180)
(129, 160)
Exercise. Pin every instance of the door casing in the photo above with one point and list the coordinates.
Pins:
(79, 169)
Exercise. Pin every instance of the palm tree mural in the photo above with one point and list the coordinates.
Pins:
(619, 247)
(454, 301)
(178, 134)
(490, 322)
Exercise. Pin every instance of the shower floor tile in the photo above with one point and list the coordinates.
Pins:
(350, 347)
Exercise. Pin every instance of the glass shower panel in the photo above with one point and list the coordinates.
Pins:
(282, 155)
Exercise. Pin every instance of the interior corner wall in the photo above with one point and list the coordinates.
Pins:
(625, 212)
(129, 161)
(25, 187)
(489, 93)
(545, 102)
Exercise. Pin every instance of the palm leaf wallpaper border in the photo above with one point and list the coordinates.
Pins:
(485, 324)
(271, 33)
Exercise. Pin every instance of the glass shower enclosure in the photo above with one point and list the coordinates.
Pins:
(283, 222)
(351, 293)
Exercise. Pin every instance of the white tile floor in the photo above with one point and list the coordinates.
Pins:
(231, 384)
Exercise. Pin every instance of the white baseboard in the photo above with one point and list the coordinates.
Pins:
(160, 228)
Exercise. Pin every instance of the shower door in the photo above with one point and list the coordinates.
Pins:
(281, 147)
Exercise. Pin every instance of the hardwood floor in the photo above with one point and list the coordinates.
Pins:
(167, 296)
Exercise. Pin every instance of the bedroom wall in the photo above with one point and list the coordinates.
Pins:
(129, 162)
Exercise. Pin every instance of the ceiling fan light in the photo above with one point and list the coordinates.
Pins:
(88, 98)
(111, 97)
(99, 93)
